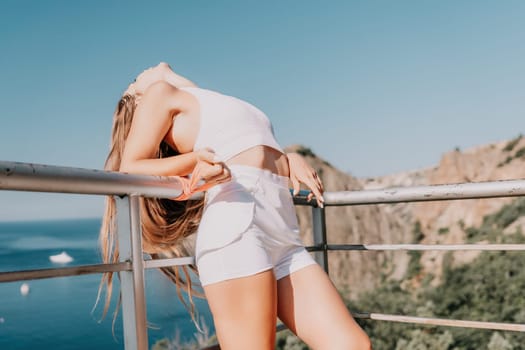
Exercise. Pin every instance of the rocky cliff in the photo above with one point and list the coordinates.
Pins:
(425, 222)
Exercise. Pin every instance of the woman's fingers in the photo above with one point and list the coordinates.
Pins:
(316, 188)
(296, 185)
(217, 172)
(318, 197)
(225, 175)
(212, 171)
(319, 182)
(302, 172)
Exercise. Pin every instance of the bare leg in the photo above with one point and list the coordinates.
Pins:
(310, 306)
(244, 311)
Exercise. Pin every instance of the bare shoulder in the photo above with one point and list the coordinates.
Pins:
(164, 94)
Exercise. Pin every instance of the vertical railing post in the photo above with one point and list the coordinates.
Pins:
(132, 282)
(319, 232)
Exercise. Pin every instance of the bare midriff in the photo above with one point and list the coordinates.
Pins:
(262, 157)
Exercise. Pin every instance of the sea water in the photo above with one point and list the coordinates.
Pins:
(58, 313)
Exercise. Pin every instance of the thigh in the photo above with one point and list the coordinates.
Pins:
(244, 311)
(310, 306)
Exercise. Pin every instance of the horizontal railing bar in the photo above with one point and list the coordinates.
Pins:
(446, 247)
(156, 263)
(516, 327)
(422, 247)
(13, 276)
(489, 189)
(315, 248)
(301, 198)
(48, 178)
(18, 176)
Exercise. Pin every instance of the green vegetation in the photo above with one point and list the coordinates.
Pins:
(512, 143)
(488, 289)
(417, 233)
(506, 161)
(305, 152)
(520, 153)
(443, 230)
(493, 225)
(414, 265)
(286, 340)
(201, 340)
(389, 298)
(509, 147)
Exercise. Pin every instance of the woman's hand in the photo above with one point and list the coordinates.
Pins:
(209, 170)
(205, 174)
(211, 173)
(302, 172)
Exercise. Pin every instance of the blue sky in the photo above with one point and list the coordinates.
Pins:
(374, 87)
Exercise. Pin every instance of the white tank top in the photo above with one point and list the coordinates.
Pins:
(229, 125)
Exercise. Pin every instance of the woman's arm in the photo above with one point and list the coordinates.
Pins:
(152, 120)
(302, 172)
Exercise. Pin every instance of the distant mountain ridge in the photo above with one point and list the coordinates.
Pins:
(443, 222)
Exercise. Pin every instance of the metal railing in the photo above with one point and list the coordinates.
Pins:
(489, 189)
(127, 190)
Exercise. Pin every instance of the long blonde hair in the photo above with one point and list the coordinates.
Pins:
(166, 224)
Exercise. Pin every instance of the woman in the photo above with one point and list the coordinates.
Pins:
(251, 262)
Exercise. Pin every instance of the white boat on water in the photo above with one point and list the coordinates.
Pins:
(24, 289)
(62, 258)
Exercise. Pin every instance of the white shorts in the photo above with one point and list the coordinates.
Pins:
(249, 225)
